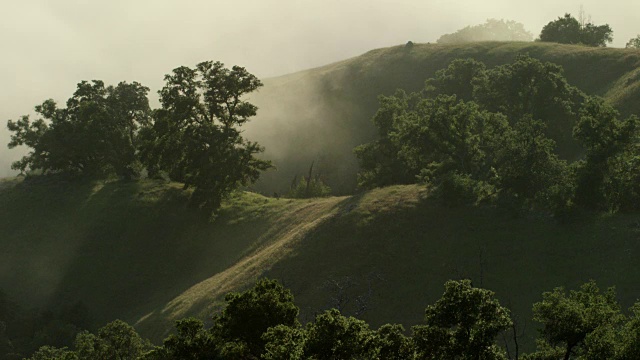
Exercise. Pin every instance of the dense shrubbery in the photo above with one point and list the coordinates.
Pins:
(308, 186)
(518, 131)
(465, 323)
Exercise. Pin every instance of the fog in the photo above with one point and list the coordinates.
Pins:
(49, 46)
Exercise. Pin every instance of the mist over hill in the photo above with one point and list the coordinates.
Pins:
(322, 114)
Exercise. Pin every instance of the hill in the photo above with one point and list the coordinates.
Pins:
(322, 114)
(132, 250)
(135, 251)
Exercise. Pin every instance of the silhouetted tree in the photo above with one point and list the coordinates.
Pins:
(568, 30)
(96, 134)
(634, 43)
(195, 136)
(250, 314)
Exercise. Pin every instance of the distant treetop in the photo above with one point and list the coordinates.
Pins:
(569, 30)
(491, 30)
(634, 43)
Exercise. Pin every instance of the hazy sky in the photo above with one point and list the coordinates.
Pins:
(49, 46)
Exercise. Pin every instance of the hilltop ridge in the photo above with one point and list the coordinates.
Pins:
(323, 113)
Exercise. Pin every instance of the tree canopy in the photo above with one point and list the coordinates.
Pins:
(97, 133)
(568, 30)
(518, 134)
(581, 322)
(633, 43)
(465, 323)
(462, 324)
(195, 137)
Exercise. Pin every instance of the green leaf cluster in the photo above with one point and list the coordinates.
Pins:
(262, 323)
(516, 134)
(585, 324)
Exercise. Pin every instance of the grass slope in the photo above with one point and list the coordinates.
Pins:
(134, 251)
(126, 249)
(323, 113)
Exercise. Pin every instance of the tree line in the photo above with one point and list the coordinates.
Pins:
(565, 29)
(193, 138)
(517, 135)
(518, 132)
(465, 323)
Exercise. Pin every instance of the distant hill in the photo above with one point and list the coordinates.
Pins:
(322, 114)
(134, 251)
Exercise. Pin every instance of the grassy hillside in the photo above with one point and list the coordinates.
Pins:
(322, 114)
(126, 248)
(134, 251)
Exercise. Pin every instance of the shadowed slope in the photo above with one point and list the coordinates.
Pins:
(134, 251)
(279, 240)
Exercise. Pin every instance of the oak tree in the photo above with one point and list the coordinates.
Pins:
(195, 137)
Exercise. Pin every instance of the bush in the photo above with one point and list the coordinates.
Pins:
(457, 189)
(304, 188)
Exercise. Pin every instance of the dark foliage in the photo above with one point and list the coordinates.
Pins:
(261, 323)
(463, 324)
(501, 142)
(195, 136)
(250, 314)
(568, 30)
(95, 135)
(633, 43)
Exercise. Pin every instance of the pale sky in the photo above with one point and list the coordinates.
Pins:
(49, 46)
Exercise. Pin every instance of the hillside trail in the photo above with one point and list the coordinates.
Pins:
(278, 242)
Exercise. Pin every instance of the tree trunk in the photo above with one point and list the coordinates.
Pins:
(567, 355)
